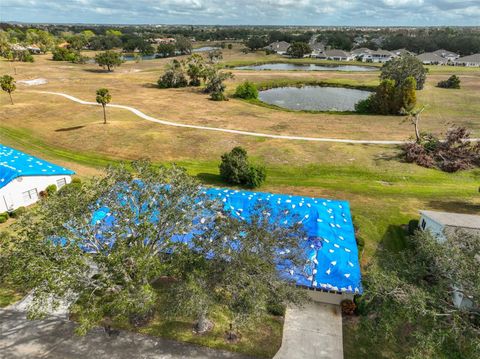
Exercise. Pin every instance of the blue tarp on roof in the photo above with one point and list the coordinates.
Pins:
(331, 250)
(14, 163)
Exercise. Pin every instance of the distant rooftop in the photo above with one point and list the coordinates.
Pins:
(14, 164)
(454, 219)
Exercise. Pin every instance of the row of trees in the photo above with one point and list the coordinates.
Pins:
(192, 71)
(113, 269)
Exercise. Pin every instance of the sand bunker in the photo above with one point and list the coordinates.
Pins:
(34, 82)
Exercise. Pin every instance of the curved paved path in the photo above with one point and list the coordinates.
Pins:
(238, 132)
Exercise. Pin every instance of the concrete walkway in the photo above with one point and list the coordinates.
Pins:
(238, 132)
(54, 338)
(312, 332)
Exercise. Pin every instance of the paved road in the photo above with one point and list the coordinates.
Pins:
(238, 132)
(54, 338)
(312, 332)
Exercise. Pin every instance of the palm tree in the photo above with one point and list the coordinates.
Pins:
(7, 83)
(103, 98)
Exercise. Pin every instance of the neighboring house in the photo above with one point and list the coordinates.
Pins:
(336, 55)
(23, 177)
(34, 49)
(378, 56)
(317, 49)
(470, 61)
(360, 53)
(280, 47)
(440, 224)
(164, 40)
(401, 52)
(330, 270)
(450, 56)
(429, 58)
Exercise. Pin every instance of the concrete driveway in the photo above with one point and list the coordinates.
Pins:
(312, 332)
(54, 338)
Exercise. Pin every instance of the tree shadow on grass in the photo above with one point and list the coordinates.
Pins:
(455, 206)
(395, 238)
(66, 129)
(150, 85)
(98, 71)
(210, 178)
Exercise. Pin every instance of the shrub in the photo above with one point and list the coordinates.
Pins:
(236, 169)
(412, 226)
(76, 180)
(365, 106)
(18, 212)
(277, 309)
(453, 82)
(3, 217)
(348, 307)
(247, 91)
(51, 189)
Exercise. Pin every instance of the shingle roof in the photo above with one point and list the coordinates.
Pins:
(454, 219)
(431, 57)
(470, 58)
(335, 52)
(14, 164)
(444, 53)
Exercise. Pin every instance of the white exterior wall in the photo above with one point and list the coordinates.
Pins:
(328, 297)
(435, 228)
(11, 195)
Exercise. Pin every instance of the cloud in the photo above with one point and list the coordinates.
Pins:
(268, 12)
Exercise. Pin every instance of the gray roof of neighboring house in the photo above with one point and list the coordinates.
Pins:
(431, 57)
(361, 50)
(318, 46)
(279, 46)
(381, 52)
(444, 53)
(336, 53)
(470, 58)
(402, 52)
(459, 220)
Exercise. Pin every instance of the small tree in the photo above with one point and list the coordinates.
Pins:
(408, 94)
(453, 82)
(174, 76)
(236, 169)
(109, 59)
(299, 50)
(247, 91)
(255, 42)
(103, 98)
(400, 68)
(166, 50)
(183, 45)
(214, 84)
(196, 68)
(7, 83)
(215, 56)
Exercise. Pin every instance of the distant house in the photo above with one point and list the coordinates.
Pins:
(470, 61)
(34, 49)
(450, 56)
(401, 52)
(23, 177)
(440, 224)
(377, 56)
(336, 55)
(164, 40)
(280, 47)
(317, 49)
(429, 58)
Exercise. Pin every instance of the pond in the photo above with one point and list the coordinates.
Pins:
(130, 57)
(307, 67)
(205, 48)
(314, 98)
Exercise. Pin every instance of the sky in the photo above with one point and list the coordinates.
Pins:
(247, 12)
